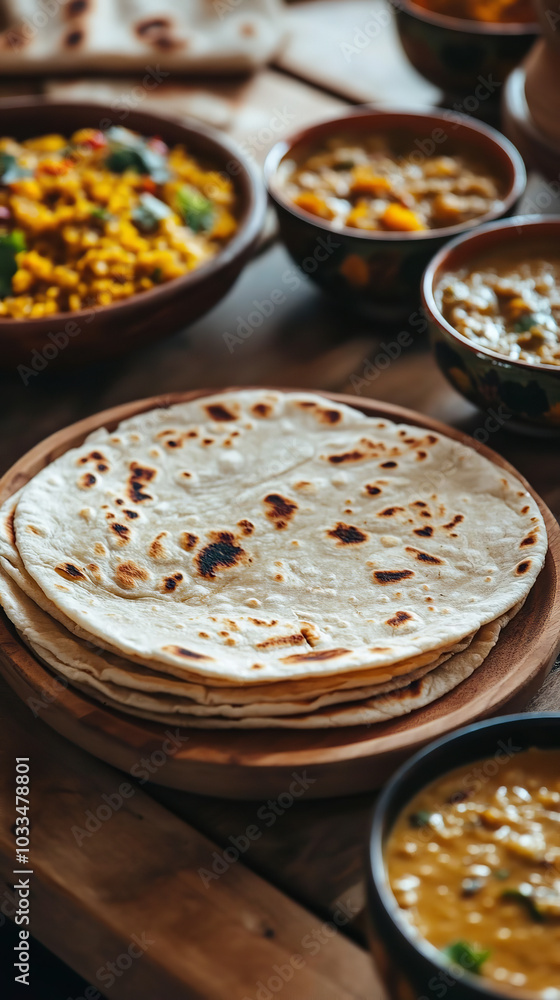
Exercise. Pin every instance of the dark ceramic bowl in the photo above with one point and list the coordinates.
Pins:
(71, 338)
(410, 966)
(530, 394)
(470, 58)
(379, 272)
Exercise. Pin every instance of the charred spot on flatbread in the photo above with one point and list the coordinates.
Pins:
(261, 410)
(170, 583)
(219, 412)
(456, 520)
(522, 567)
(529, 540)
(389, 511)
(86, 481)
(297, 639)
(187, 540)
(186, 654)
(327, 416)
(69, 571)
(385, 576)
(128, 574)
(156, 549)
(347, 534)
(279, 509)
(347, 456)
(74, 39)
(223, 553)
(247, 527)
(312, 657)
(388, 465)
(372, 489)
(425, 556)
(425, 532)
(122, 531)
(139, 477)
(401, 618)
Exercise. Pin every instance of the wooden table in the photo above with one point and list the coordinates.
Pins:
(109, 865)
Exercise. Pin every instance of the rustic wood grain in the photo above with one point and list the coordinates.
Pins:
(138, 874)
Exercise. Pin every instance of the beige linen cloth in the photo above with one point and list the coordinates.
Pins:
(211, 36)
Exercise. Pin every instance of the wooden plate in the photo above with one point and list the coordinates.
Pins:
(260, 764)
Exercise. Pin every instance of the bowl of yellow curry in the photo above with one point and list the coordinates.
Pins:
(113, 233)
(467, 47)
(464, 881)
(364, 201)
(492, 299)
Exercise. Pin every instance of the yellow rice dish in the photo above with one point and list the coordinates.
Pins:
(91, 220)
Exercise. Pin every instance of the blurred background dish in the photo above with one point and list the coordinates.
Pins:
(102, 331)
(378, 269)
(408, 962)
(527, 390)
(457, 52)
(531, 99)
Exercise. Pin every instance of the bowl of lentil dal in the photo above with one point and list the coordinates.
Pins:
(492, 299)
(113, 234)
(464, 872)
(365, 200)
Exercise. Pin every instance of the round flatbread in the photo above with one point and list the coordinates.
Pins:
(255, 537)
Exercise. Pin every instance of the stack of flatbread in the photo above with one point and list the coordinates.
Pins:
(267, 559)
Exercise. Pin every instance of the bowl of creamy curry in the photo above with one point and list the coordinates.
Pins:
(364, 201)
(493, 305)
(464, 888)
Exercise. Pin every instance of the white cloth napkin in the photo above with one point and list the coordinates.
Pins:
(210, 36)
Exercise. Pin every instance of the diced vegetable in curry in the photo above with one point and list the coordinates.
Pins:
(91, 220)
(474, 863)
(508, 305)
(366, 186)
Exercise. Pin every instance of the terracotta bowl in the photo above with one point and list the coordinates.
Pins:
(529, 393)
(72, 338)
(461, 56)
(379, 272)
(410, 966)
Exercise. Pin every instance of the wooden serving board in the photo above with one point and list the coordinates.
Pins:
(256, 764)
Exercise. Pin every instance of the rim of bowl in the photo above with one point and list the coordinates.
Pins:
(429, 278)
(283, 147)
(463, 24)
(240, 243)
(377, 876)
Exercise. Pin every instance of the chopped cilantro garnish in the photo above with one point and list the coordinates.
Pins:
(466, 955)
(100, 213)
(10, 245)
(197, 211)
(420, 818)
(128, 151)
(516, 896)
(149, 212)
(502, 873)
(10, 170)
(524, 323)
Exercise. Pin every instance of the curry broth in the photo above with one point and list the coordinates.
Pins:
(508, 301)
(475, 859)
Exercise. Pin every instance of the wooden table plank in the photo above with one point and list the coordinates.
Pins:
(353, 49)
(137, 874)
